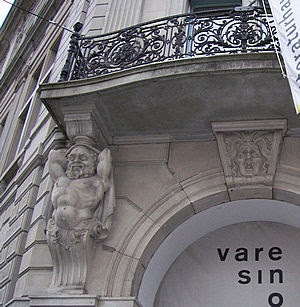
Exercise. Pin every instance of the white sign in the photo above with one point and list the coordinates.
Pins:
(286, 15)
(241, 265)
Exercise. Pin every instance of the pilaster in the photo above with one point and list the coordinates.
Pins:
(122, 14)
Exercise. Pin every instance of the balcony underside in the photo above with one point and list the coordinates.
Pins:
(177, 99)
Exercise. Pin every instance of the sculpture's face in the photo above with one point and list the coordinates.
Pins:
(81, 163)
(249, 159)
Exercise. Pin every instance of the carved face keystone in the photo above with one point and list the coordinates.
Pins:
(249, 159)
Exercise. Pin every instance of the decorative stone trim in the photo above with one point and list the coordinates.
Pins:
(70, 300)
(83, 301)
(248, 152)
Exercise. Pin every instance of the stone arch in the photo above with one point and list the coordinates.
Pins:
(128, 276)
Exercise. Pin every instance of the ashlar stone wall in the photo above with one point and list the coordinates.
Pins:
(158, 186)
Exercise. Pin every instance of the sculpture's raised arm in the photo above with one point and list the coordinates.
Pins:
(57, 164)
(104, 167)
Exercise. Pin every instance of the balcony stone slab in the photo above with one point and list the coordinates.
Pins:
(172, 100)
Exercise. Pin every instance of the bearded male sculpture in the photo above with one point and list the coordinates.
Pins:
(83, 202)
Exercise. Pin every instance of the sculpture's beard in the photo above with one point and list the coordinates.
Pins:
(77, 171)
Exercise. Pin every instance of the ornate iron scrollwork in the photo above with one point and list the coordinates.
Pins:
(173, 38)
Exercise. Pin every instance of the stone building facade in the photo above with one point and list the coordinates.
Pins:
(192, 158)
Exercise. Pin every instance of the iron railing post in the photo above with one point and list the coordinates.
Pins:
(73, 48)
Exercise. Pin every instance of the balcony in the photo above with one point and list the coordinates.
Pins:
(170, 78)
(241, 30)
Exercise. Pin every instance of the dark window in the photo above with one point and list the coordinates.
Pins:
(260, 3)
(2, 124)
(201, 5)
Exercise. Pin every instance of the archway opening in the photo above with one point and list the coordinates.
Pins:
(255, 210)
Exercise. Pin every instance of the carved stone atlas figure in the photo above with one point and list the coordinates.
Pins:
(83, 203)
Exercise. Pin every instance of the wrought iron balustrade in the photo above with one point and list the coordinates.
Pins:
(176, 37)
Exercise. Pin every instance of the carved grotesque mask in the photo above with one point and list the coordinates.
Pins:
(249, 159)
(81, 163)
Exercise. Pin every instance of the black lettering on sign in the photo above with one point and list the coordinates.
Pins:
(241, 254)
(244, 274)
(257, 251)
(259, 276)
(280, 276)
(273, 252)
(275, 299)
(222, 256)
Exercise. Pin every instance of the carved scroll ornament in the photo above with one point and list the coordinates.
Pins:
(83, 202)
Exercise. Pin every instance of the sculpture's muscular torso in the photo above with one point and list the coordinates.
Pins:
(79, 186)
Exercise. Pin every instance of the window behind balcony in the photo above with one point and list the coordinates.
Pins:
(260, 3)
(202, 5)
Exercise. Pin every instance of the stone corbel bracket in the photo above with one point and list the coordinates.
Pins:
(249, 152)
(83, 120)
